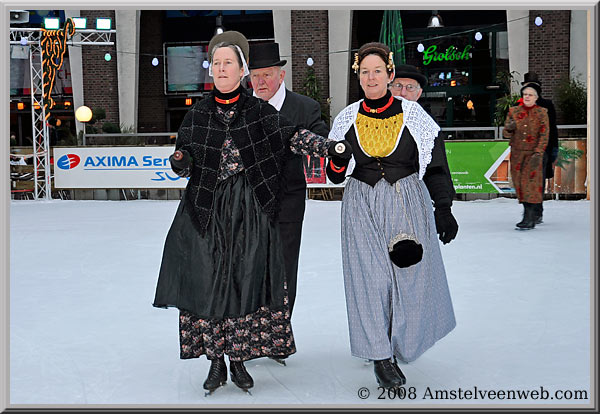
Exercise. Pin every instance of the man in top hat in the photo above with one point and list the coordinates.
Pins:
(267, 78)
(551, 154)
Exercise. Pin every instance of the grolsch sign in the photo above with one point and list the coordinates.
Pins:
(452, 53)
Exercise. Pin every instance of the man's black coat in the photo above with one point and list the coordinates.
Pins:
(305, 113)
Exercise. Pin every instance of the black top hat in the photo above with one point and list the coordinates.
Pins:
(411, 72)
(230, 36)
(531, 77)
(264, 55)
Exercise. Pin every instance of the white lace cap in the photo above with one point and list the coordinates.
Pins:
(244, 64)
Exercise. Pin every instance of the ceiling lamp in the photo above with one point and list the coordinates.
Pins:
(219, 26)
(435, 20)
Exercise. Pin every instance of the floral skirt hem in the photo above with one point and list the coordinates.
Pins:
(264, 333)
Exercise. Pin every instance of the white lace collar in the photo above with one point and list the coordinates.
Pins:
(420, 125)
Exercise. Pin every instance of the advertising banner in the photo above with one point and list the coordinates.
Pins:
(115, 167)
(137, 167)
(475, 167)
(479, 166)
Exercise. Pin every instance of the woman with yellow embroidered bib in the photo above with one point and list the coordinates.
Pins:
(397, 295)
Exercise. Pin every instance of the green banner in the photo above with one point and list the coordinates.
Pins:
(479, 166)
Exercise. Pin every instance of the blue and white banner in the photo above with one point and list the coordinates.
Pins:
(115, 167)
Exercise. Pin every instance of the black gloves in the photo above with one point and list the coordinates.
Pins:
(445, 224)
(339, 153)
(181, 163)
(340, 149)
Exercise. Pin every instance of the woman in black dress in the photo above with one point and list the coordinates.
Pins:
(222, 264)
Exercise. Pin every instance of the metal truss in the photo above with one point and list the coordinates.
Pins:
(39, 127)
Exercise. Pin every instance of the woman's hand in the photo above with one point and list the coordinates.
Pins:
(445, 224)
(180, 159)
(340, 149)
(510, 124)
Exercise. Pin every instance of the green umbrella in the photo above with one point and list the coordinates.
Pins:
(392, 35)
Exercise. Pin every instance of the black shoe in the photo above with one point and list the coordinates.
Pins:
(386, 374)
(399, 371)
(240, 376)
(217, 374)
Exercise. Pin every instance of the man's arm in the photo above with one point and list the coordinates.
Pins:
(316, 125)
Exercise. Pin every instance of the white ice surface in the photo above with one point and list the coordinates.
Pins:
(83, 329)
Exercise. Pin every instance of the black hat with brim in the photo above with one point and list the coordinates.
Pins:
(264, 55)
(411, 72)
(230, 36)
(532, 85)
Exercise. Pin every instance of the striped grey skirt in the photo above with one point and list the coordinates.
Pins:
(392, 310)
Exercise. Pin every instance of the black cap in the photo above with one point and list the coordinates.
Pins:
(411, 72)
(532, 85)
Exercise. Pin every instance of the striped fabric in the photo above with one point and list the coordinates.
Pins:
(392, 310)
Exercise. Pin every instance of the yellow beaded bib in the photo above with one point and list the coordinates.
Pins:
(378, 137)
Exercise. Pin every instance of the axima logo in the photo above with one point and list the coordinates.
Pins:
(68, 161)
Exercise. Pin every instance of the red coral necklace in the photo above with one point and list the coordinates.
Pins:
(227, 101)
(378, 110)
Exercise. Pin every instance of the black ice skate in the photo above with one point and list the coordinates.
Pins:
(386, 374)
(279, 360)
(399, 371)
(240, 376)
(217, 375)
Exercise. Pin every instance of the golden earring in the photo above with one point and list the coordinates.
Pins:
(390, 64)
(355, 64)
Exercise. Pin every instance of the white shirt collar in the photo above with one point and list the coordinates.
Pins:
(276, 100)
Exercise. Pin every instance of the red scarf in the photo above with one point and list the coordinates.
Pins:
(527, 108)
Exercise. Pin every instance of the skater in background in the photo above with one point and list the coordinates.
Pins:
(397, 295)
(551, 153)
(223, 264)
(527, 127)
(409, 83)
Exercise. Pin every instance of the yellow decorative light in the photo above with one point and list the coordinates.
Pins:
(83, 114)
(20, 106)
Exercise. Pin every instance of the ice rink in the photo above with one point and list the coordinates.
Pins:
(83, 329)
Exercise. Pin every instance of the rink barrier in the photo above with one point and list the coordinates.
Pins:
(568, 181)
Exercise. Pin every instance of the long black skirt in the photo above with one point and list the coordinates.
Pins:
(234, 269)
(233, 274)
